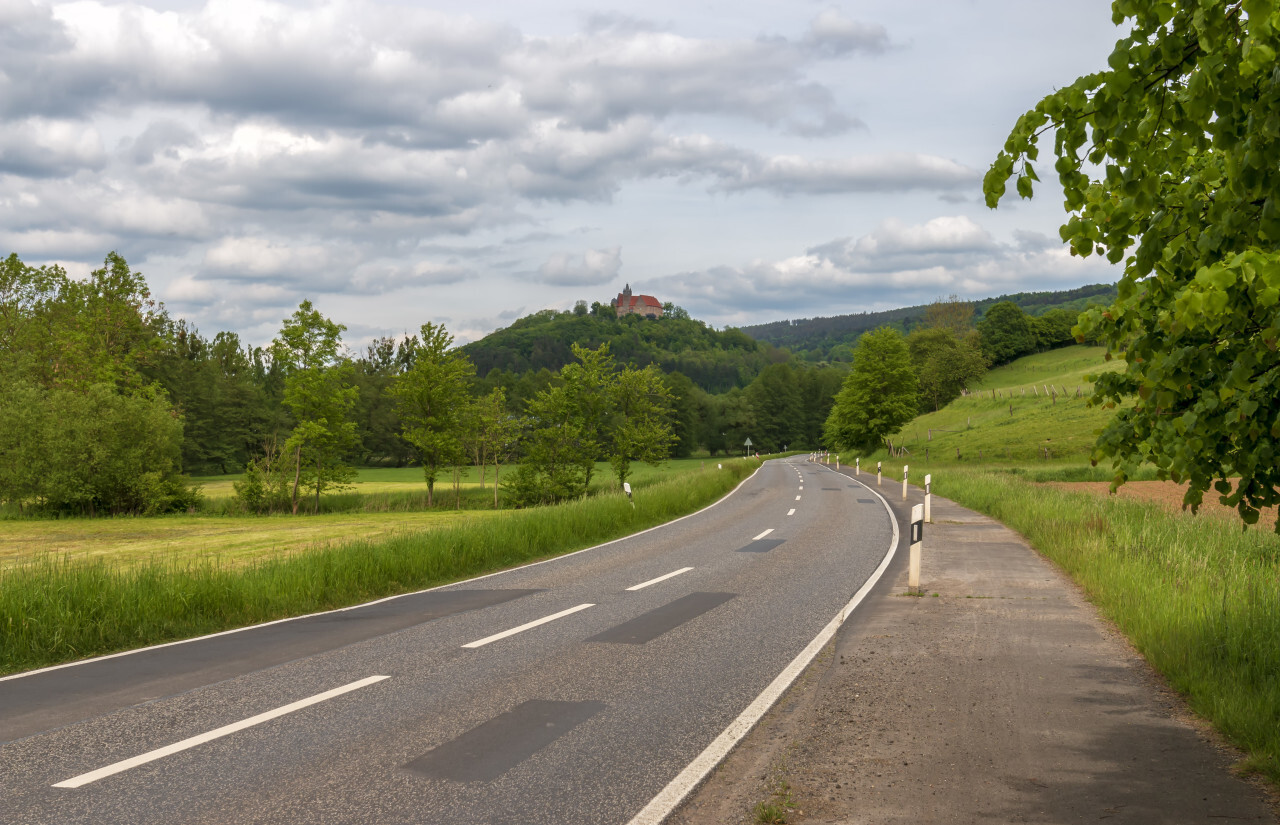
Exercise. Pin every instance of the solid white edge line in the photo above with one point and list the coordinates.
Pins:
(191, 742)
(671, 575)
(670, 797)
(762, 535)
(527, 626)
(791, 512)
(725, 497)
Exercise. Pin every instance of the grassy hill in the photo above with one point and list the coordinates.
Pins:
(1013, 415)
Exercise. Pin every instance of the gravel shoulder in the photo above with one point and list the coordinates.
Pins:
(999, 696)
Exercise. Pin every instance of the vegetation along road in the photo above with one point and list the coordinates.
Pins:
(571, 691)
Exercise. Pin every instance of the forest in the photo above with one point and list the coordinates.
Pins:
(111, 403)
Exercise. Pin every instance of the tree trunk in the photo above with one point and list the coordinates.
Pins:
(318, 484)
(495, 484)
(297, 476)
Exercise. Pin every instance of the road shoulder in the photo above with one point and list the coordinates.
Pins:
(1002, 698)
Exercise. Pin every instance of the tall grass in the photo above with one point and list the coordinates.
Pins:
(56, 610)
(1197, 596)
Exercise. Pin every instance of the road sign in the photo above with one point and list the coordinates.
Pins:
(747, 443)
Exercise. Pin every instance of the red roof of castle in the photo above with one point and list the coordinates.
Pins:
(647, 300)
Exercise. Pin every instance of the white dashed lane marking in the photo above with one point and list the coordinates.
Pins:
(527, 626)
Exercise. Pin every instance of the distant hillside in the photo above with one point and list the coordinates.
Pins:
(806, 335)
(715, 361)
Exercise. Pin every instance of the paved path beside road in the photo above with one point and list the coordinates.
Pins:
(1000, 696)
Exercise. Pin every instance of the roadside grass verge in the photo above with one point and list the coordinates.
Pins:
(56, 609)
(1198, 597)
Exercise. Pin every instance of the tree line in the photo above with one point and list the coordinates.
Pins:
(111, 403)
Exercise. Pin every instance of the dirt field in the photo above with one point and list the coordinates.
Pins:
(1166, 493)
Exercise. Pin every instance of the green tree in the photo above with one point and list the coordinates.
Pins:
(778, 406)
(945, 365)
(878, 396)
(1169, 161)
(639, 421)
(1006, 333)
(432, 399)
(318, 391)
(494, 434)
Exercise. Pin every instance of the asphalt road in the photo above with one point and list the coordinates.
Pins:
(429, 708)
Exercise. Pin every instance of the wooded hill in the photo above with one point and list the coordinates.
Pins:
(831, 339)
(715, 361)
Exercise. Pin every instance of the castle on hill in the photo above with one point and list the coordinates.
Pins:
(628, 304)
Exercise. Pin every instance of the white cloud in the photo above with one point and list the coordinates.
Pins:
(591, 268)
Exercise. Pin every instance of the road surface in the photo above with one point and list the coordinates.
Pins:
(571, 691)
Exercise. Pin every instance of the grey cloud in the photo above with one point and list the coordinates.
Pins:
(413, 78)
(590, 268)
(832, 34)
(163, 137)
(896, 265)
(40, 148)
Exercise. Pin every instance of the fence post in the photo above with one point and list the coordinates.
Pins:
(928, 498)
(879, 473)
(917, 539)
(904, 482)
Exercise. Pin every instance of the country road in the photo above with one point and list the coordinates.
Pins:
(570, 691)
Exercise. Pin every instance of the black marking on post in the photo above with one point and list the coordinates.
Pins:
(486, 752)
(917, 532)
(762, 546)
(648, 626)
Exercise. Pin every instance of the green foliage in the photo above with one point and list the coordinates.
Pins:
(85, 430)
(318, 391)
(90, 450)
(1169, 160)
(878, 397)
(714, 361)
(432, 398)
(945, 364)
(264, 487)
(597, 410)
(1006, 333)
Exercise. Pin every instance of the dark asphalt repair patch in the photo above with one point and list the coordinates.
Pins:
(489, 750)
(648, 626)
(866, 501)
(761, 546)
(837, 489)
(60, 697)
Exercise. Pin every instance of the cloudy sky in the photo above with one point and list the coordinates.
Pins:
(472, 162)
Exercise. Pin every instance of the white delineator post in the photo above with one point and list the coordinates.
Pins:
(879, 474)
(904, 482)
(857, 466)
(917, 539)
(837, 461)
(928, 498)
